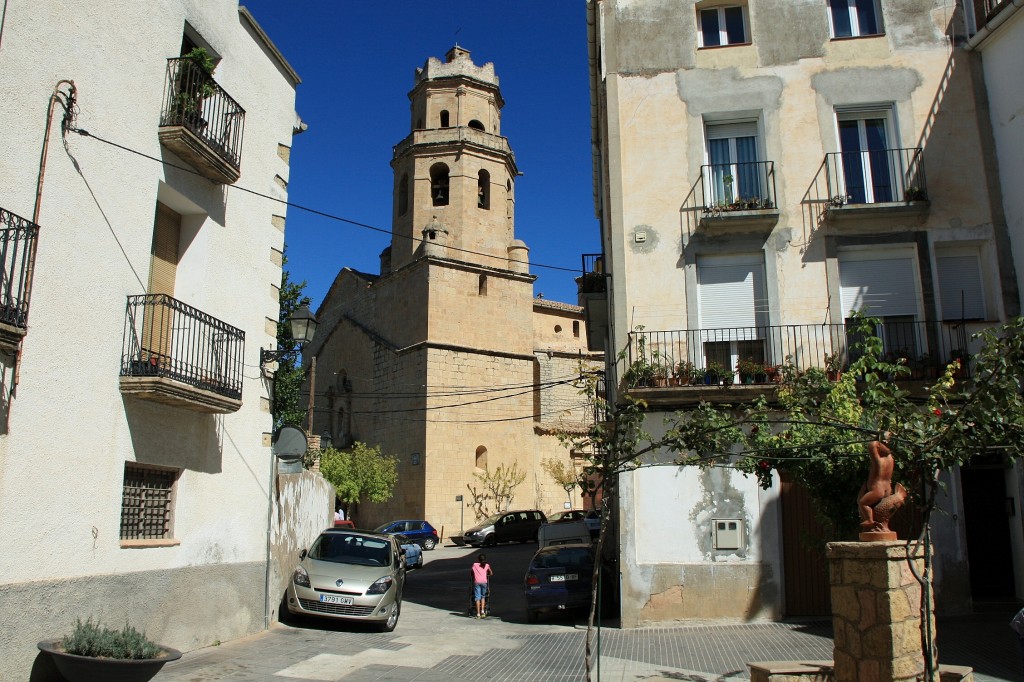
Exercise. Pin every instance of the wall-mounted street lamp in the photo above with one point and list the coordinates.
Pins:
(303, 325)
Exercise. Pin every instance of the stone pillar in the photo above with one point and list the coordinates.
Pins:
(876, 612)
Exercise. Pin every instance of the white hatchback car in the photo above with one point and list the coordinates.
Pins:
(350, 575)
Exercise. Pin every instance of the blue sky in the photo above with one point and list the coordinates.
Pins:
(357, 61)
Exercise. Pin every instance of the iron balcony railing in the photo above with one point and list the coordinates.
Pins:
(18, 238)
(194, 100)
(984, 9)
(875, 176)
(164, 337)
(758, 354)
(593, 278)
(748, 186)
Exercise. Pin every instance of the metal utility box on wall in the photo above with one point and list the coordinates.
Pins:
(727, 533)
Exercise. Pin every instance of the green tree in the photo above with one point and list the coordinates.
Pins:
(360, 474)
(563, 473)
(290, 374)
(818, 430)
(499, 487)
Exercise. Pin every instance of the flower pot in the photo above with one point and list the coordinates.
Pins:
(89, 669)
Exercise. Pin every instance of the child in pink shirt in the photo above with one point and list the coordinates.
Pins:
(481, 569)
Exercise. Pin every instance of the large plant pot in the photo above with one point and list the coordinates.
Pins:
(88, 669)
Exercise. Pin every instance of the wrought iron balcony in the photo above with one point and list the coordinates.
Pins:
(868, 183)
(18, 238)
(761, 355)
(592, 289)
(986, 9)
(178, 355)
(201, 123)
(733, 195)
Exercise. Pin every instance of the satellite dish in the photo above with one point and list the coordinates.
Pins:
(290, 443)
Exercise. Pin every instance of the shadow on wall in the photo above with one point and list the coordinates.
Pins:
(196, 445)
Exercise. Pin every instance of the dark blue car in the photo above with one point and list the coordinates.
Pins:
(417, 529)
(560, 577)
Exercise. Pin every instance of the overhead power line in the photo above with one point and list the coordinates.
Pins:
(307, 209)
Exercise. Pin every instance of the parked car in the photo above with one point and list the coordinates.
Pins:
(350, 575)
(568, 533)
(593, 520)
(567, 516)
(413, 552)
(510, 526)
(344, 523)
(560, 577)
(416, 529)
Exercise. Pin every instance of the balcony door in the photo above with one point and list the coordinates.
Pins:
(733, 156)
(865, 144)
(733, 309)
(885, 286)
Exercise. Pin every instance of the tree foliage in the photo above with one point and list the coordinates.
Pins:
(818, 430)
(563, 473)
(498, 490)
(288, 379)
(360, 474)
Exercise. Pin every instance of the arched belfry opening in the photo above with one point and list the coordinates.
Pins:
(444, 119)
(476, 125)
(403, 194)
(483, 190)
(439, 184)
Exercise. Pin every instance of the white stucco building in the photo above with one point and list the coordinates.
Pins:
(137, 472)
(761, 169)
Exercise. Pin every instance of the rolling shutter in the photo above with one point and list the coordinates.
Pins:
(960, 287)
(879, 287)
(732, 294)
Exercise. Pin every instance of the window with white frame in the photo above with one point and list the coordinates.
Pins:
(866, 154)
(734, 171)
(961, 286)
(733, 304)
(147, 502)
(854, 18)
(722, 25)
(884, 285)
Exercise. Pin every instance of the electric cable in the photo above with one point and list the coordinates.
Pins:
(307, 209)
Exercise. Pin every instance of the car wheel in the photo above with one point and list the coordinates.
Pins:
(429, 544)
(490, 541)
(531, 616)
(392, 621)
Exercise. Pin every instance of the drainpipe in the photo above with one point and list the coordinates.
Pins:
(989, 28)
(67, 101)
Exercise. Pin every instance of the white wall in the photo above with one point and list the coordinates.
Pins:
(69, 429)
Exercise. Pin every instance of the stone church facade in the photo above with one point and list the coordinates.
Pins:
(445, 358)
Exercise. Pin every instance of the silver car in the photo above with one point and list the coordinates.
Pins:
(350, 575)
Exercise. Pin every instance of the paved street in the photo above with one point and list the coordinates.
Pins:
(436, 641)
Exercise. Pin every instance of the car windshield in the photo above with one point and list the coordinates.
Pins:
(568, 557)
(351, 549)
(381, 529)
(490, 520)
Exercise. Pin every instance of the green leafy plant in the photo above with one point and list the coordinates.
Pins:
(361, 473)
(97, 641)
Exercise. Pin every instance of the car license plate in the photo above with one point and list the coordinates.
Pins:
(563, 578)
(333, 599)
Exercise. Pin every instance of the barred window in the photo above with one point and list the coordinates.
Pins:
(146, 502)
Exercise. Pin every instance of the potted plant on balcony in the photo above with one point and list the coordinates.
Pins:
(686, 372)
(834, 366)
(93, 652)
(751, 371)
(713, 373)
(195, 84)
(914, 193)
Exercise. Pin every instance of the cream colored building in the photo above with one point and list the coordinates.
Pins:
(445, 358)
(761, 169)
(136, 470)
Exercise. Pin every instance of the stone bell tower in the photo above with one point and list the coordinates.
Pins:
(455, 174)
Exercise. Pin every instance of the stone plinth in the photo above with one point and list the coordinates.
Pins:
(876, 612)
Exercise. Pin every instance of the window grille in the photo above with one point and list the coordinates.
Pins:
(146, 502)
